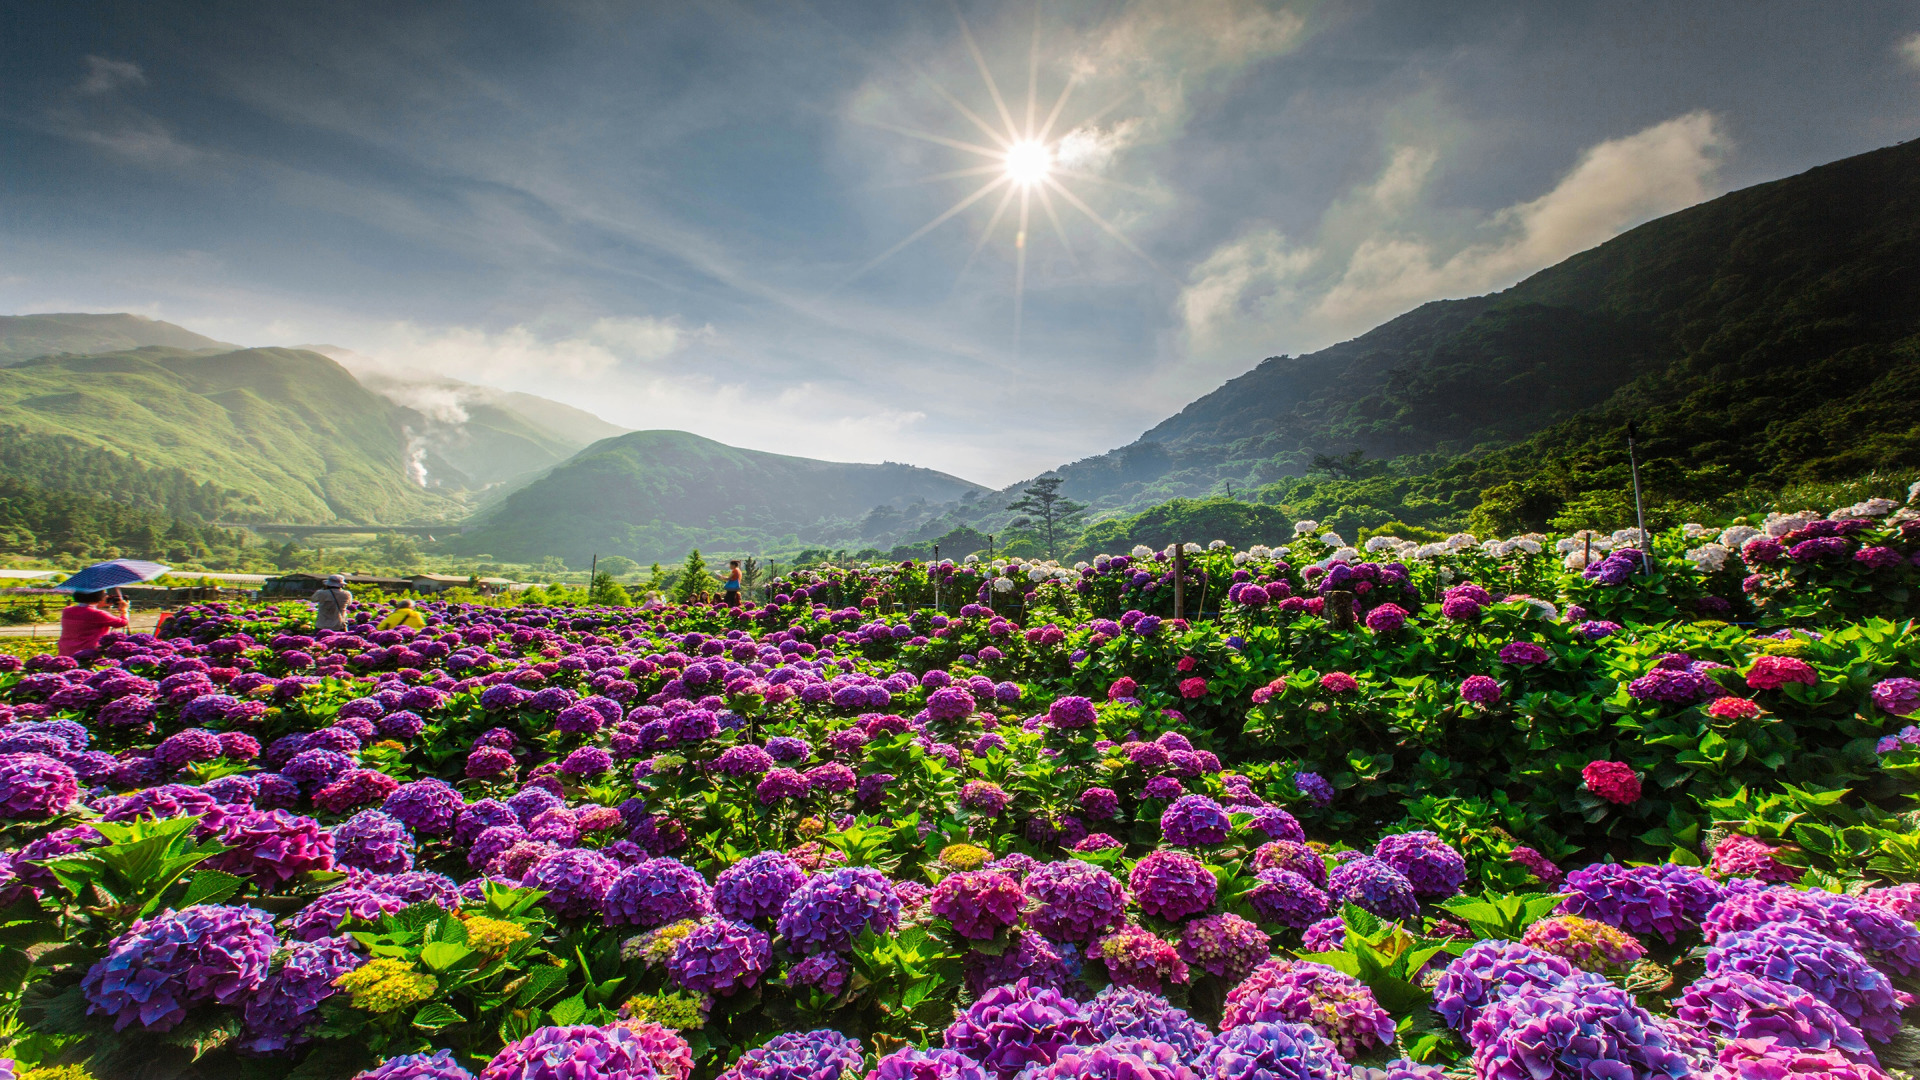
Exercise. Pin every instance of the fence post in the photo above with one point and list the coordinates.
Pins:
(1339, 610)
(1179, 579)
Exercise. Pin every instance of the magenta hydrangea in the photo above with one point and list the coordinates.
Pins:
(1739, 1005)
(799, 1055)
(1572, 1032)
(428, 807)
(1489, 971)
(373, 840)
(1835, 973)
(1171, 885)
(1272, 1051)
(978, 903)
(1117, 1059)
(1129, 1012)
(1224, 945)
(1335, 1004)
(1665, 899)
(913, 1063)
(1074, 901)
(279, 1014)
(575, 880)
(1071, 713)
(1288, 898)
(1135, 956)
(438, 1065)
(34, 787)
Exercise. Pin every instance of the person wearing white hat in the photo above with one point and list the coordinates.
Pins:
(330, 604)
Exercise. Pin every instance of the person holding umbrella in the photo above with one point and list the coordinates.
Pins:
(330, 604)
(86, 622)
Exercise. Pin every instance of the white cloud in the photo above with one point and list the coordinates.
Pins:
(520, 353)
(105, 76)
(1261, 292)
(1910, 48)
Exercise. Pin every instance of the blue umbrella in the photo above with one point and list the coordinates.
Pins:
(108, 575)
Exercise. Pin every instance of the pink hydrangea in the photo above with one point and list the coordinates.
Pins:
(1614, 781)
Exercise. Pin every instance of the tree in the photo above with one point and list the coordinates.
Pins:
(695, 583)
(1052, 512)
(619, 566)
(605, 590)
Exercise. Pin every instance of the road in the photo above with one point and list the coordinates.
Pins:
(143, 621)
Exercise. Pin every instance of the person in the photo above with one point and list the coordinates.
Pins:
(403, 614)
(85, 622)
(732, 586)
(330, 604)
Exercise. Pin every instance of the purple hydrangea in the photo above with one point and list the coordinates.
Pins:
(756, 887)
(830, 910)
(435, 1066)
(1192, 820)
(912, 1063)
(1128, 1012)
(657, 892)
(797, 1055)
(1489, 971)
(1029, 957)
(1665, 899)
(429, 806)
(325, 915)
(161, 967)
(1738, 1005)
(1272, 1051)
(1572, 1032)
(1375, 886)
(575, 881)
(1833, 972)
(1171, 885)
(1314, 787)
(1071, 713)
(1116, 1059)
(1480, 690)
(719, 957)
(278, 1014)
(573, 1053)
(272, 846)
(184, 748)
(1288, 898)
(1011, 1027)
(743, 761)
(1277, 824)
(34, 787)
(1224, 945)
(373, 840)
(1898, 696)
(1434, 868)
(826, 972)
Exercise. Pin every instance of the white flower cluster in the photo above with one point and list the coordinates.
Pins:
(1869, 508)
(1709, 558)
(1142, 551)
(1217, 545)
(1303, 528)
(1778, 524)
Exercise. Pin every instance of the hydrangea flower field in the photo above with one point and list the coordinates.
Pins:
(1600, 806)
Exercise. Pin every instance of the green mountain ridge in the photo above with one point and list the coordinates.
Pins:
(1766, 337)
(23, 337)
(652, 495)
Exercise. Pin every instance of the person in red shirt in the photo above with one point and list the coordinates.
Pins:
(86, 621)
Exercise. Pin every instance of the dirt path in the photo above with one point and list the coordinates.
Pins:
(142, 622)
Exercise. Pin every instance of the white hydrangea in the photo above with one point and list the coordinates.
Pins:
(1430, 551)
(1260, 551)
(1002, 585)
(1734, 536)
(1913, 492)
(1543, 609)
(1629, 537)
(1462, 541)
(1240, 558)
(1447, 574)
(1332, 539)
(1778, 524)
(972, 559)
(1191, 549)
(1383, 543)
(1527, 544)
(1344, 555)
(1082, 564)
(1693, 530)
(1038, 573)
(1302, 528)
(1142, 551)
(1216, 545)
(1576, 559)
(1870, 508)
(1708, 558)
(1494, 548)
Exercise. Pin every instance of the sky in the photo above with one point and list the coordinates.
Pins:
(795, 225)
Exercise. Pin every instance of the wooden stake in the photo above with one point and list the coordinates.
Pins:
(1179, 580)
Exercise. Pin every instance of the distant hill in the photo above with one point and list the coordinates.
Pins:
(23, 337)
(1769, 336)
(652, 495)
(268, 434)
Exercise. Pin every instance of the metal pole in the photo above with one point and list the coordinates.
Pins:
(1179, 579)
(936, 577)
(593, 571)
(1639, 508)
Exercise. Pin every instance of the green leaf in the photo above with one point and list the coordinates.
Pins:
(569, 1011)
(211, 887)
(436, 1015)
(441, 955)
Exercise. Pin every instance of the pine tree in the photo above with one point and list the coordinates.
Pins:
(1053, 512)
(695, 583)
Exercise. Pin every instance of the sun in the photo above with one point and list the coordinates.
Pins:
(1029, 162)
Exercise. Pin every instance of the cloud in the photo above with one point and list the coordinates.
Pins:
(521, 353)
(1262, 291)
(1910, 49)
(105, 76)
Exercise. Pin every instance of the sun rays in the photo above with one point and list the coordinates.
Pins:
(1021, 161)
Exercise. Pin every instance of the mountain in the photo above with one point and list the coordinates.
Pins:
(1768, 336)
(23, 337)
(652, 495)
(491, 438)
(265, 434)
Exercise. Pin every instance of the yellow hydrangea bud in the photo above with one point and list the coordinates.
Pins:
(494, 935)
(965, 856)
(384, 985)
